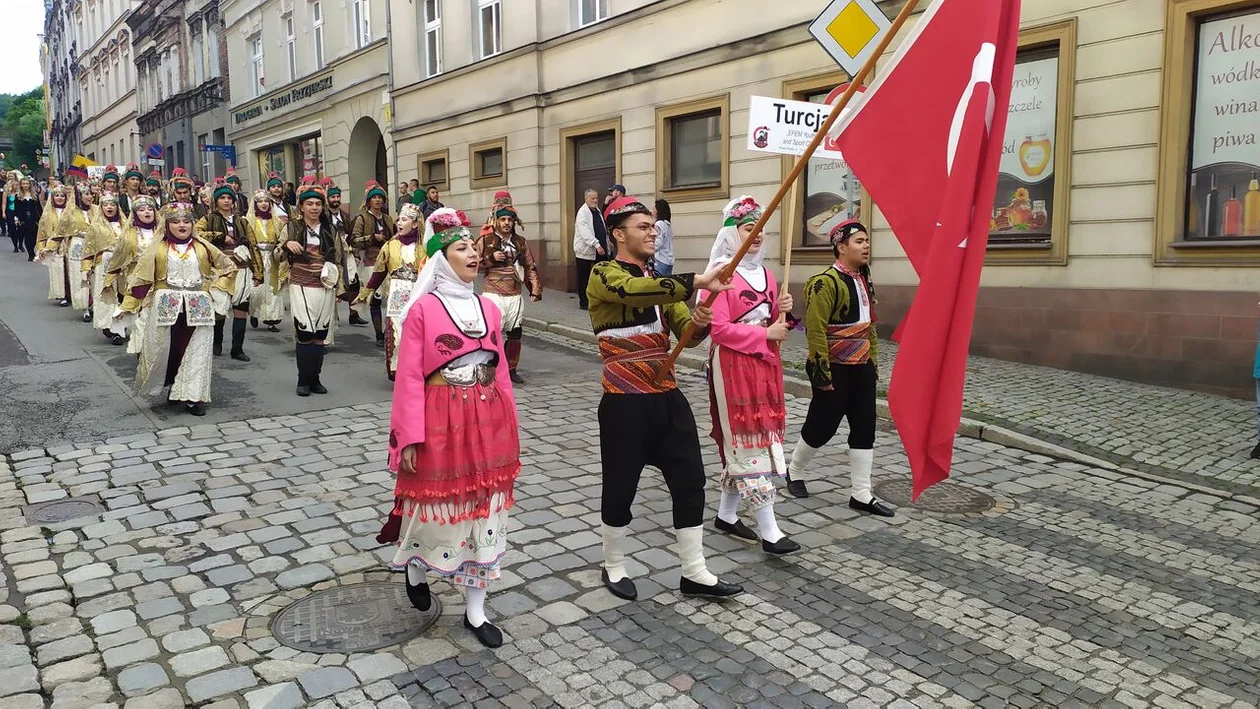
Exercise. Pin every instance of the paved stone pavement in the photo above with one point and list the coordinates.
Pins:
(1185, 435)
(1076, 588)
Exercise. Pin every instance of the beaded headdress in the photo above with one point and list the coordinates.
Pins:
(445, 226)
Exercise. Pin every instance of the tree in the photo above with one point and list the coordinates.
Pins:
(24, 122)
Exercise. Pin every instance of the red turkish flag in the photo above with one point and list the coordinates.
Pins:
(926, 141)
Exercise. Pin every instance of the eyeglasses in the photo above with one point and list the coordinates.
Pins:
(644, 228)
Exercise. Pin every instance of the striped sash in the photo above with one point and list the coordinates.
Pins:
(630, 364)
(849, 344)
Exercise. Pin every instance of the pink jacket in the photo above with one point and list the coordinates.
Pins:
(430, 339)
(733, 304)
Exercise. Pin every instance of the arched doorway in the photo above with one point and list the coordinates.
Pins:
(367, 160)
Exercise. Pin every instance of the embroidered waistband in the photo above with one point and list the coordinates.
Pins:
(630, 364)
(849, 344)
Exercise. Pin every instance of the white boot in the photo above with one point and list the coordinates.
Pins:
(768, 526)
(691, 555)
(860, 462)
(615, 552)
(728, 507)
(801, 457)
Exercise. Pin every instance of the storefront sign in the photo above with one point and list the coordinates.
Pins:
(1024, 204)
(1224, 195)
(284, 100)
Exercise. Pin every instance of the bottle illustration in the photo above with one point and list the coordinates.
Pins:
(1039, 217)
(1034, 155)
(1251, 208)
(1231, 214)
(1192, 219)
(1212, 210)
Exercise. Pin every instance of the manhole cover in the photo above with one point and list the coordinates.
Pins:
(357, 618)
(62, 510)
(944, 497)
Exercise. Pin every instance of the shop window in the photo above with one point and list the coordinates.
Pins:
(488, 162)
(1208, 204)
(1029, 219)
(489, 28)
(432, 170)
(432, 37)
(693, 149)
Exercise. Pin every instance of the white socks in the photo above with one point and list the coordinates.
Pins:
(615, 552)
(801, 456)
(416, 575)
(475, 599)
(767, 525)
(728, 507)
(691, 554)
(860, 461)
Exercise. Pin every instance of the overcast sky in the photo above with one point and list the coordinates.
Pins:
(21, 23)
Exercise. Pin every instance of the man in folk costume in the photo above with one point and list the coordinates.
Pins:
(181, 187)
(340, 217)
(232, 235)
(275, 192)
(174, 279)
(153, 186)
(139, 234)
(372, 227)
(746, 382)
(109, 181)
(268, 302)
(397, 265)
(104, 239)
(132, 181)
(508, 265)
(843, 348)
(240, 199)
(310, 252)
(643, 421)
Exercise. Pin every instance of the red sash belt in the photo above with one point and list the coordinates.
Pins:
(849, 344)
(630, 364)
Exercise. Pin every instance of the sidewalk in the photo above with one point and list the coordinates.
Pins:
(1192, 437)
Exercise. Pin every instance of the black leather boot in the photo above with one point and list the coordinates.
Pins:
(238, 340)
(218, 337)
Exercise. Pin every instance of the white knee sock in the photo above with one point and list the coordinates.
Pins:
(475, 600)
(615, 552)
(691, 554)
(768, 526)
(728, 507)
(801, 456)
(416, 575)
(860, 461)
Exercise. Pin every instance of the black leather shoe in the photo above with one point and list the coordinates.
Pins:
(253, 322)
(1255, 452)
(240, 356)
(118, 340)
(87, 316)
(796, 488)
(272, 328)
(721, 589)
(195, 408)
(489, 635)
(621, 589)
(356, 320)
(317, 388)
(874, 507)
(65, 303)
(419, 595)
(303, 390)
(516, 378)
(739, 530)
(783, 546)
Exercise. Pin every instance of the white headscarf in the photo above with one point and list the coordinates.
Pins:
(728, 238)
(437, 276)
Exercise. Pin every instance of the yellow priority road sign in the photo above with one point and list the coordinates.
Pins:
(850, 30)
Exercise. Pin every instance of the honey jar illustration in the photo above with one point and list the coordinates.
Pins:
(1034, 155)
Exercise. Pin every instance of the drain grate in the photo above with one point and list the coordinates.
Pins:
(943, 497)
(357, 618)
(62, 510)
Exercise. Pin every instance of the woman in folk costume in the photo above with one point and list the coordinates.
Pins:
(267, 302)
(746, 382)
(372, 227)
(453, 437)
(107, 231)
(310, 252)
(231, 235)
(49, 247)
(76, 226)
(396, 267)
(141, 231)
(173, 280)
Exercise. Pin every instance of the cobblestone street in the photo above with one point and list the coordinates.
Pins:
(1063, 586)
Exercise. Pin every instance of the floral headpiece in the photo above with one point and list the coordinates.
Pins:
(108, 198)
(143, 201)
(621, 208)
(179, 211)
(743, 210)
(447, 226)
(411, 211)
(261, 195)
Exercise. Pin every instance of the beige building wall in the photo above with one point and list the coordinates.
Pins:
(107, 78)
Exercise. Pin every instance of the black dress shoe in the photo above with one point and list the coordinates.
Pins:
(240, 356)
(87, 316)
(118, 340)
(303, 390)
(1255, 452)
(516, 378)
(739, 530)
(65, 303)
(874, 507)
(783, 546)
(272, 328)
(196, 408)
(721, 589)
(489, 635)
(419, 595)
(623, 589)
(317, 388)
(253, 322)
(796, 488)
(356, 320)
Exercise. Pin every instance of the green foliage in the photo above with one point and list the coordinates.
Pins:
(23, 117)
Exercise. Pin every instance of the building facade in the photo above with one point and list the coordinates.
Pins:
(182, 87)
(310, 90)
(107, 79)
(1125, 234)
(60, 62)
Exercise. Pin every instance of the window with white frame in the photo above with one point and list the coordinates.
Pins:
(317, 26)
(489, 28)
(290, 43)
(362, 24)
(212, 48)
(432, 37)
(206, 171)
(256, 63)
(591, 11)
(198, 58)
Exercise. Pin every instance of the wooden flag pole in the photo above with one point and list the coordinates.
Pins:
(857, 80)
(794, 199)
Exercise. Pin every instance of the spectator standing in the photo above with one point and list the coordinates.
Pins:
(664, 259)
(589, 242)
(430, 204)
(404, 196)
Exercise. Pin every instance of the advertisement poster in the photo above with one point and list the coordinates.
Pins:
(830, 188)
(1023, 209)
(1223, 195)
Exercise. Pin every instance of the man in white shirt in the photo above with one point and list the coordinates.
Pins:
(589, 241)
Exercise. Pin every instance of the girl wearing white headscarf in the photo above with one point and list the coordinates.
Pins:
(453, 437)
(746, 382)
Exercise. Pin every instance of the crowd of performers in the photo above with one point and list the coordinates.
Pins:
(165, 273)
